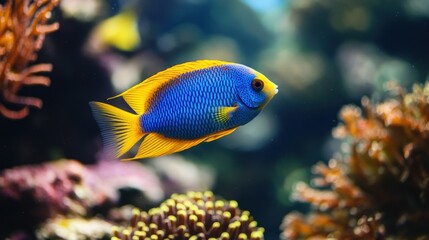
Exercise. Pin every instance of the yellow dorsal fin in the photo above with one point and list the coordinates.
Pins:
(139, 96)
(223, 114)
(155, 145)
(220, 134)
(120, 129)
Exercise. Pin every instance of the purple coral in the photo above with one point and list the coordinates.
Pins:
(65, 187)
(117, 175)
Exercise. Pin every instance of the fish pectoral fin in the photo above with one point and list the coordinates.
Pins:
(220, 134)
(155, 145)
(223, 114)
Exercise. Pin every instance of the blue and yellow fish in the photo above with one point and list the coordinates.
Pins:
(183, 106)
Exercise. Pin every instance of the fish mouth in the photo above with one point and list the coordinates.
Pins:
(274, 91)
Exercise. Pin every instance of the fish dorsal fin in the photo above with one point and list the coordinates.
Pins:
(139, 97)
(155, 145)
(220, 134)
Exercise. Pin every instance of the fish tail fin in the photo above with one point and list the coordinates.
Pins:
(120, 130)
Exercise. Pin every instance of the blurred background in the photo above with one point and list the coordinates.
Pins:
(322, 54)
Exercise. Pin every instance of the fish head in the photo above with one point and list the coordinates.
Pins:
(254, 89)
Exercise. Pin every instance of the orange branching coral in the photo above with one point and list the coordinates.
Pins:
(23, 25)
(382, 189)
(339, 213)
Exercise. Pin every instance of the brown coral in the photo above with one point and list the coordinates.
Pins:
(382, 188)
(195, 216)
(340, 213)
(23, 26)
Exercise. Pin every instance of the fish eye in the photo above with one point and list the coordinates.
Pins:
(257, 85)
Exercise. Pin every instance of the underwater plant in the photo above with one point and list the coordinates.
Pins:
(380, 188)
(23, 26)
(196, 215)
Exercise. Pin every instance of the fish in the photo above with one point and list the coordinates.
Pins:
(120, 31)
(183, 106)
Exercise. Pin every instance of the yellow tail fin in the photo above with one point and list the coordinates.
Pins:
(120, 129)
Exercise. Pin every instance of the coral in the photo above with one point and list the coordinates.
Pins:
(23, 26)
(181, 175)
(74, 228)
(67, 187)
(119, 175)
(381, 188)
(196, 215)
(340, 213)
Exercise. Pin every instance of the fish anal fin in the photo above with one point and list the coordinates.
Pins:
(139, 96)
(220, 134)
(155, 145)
(223, 114)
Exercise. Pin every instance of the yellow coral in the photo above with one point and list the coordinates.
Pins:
(196, 215)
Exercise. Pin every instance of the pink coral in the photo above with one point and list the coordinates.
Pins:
(118, 175)
(66, 187)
